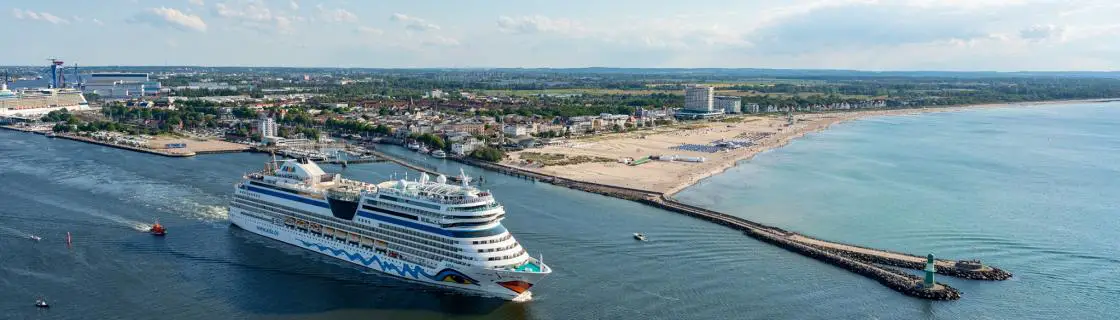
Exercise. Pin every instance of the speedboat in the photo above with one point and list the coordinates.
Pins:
(439, 154)
(157, 230)
(34, 237)
(424, 149)
(640, 237)
(40, 303)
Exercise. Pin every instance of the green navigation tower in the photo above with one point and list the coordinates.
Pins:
(930, 270)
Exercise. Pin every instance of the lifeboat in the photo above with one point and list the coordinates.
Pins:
(157, 230)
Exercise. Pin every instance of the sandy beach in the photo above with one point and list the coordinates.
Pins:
(195, 146)
(767, 132)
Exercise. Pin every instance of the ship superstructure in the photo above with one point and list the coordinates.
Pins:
(423, 230)
(29, 102)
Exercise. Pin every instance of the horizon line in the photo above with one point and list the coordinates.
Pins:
(579, 68)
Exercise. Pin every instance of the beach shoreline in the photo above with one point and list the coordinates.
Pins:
(669, 178)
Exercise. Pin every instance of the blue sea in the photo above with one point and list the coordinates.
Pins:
(1035, 191)
(1032, 190)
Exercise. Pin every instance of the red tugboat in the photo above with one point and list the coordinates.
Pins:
(157, 230)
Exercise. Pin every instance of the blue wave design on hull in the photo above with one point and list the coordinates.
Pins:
(445, 275)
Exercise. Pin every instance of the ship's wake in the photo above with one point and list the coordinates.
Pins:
(15, 232)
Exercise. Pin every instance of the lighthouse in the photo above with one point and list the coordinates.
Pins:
(930, 270)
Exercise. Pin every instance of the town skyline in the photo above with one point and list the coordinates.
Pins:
(829, 34)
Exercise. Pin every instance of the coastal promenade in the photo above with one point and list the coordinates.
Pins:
(870, 262)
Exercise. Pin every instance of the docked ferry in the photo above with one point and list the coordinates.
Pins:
(449, 235)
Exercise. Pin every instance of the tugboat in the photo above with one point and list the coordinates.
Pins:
(639, 236)
(157, 230)
(40, 303)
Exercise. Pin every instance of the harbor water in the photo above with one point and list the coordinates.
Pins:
(1030, 190)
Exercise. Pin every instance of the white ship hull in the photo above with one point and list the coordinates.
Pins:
(471, 279)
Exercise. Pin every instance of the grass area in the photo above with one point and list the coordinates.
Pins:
(556, 159)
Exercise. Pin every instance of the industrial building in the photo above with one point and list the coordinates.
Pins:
(120, 85)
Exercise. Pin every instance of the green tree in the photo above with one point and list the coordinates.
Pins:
(488, 153)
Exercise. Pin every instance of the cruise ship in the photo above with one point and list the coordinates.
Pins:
(448, 235)
(32, 102)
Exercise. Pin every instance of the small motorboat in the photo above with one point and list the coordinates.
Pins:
(639, 236)
(157, 230)
(34, 237)
(40, 303)
(439, 154)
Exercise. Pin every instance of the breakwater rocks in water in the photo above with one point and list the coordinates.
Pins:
(907, 284)
(872, 263)
(958, 269)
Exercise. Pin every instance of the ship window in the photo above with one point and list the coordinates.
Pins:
(392, 213)
(479, 233)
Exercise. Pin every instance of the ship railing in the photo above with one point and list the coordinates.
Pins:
(488, 207)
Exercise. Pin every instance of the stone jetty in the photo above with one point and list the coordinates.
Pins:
(870, 262)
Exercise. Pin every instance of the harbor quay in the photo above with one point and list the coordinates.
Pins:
(163, 146)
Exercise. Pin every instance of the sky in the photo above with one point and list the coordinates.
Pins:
(957, 35)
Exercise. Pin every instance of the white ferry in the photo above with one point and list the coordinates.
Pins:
(428, 231)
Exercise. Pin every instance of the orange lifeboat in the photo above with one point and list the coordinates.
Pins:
(157, 230)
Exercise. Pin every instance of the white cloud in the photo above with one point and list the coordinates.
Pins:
(40, 16)
(97, 22)
(168, 17)
(440, 41)
(254, 15)
(414, 23)
(336, 15)
(535, 24)
(197, 2)
(1041, 32)
(292, 4)
(369, 31)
